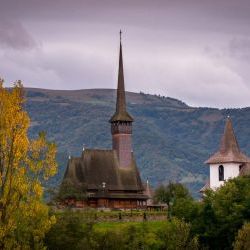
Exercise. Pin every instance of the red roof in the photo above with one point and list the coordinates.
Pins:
(229, 150)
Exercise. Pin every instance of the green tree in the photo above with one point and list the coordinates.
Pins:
(242, 241)
(24, 165)
(71, 230)
(71, 190)
(78, 230)
(222, 213)
(171, 192)
(174, 195)
(185, 208)
(176, 235)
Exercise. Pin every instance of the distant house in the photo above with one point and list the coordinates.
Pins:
(228, 162)
(110, 177)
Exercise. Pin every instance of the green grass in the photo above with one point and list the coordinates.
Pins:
(95, 214)
(104, 226)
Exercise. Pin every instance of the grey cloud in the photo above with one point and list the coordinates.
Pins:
(14, 35)
(136, 12)
(240, 48)
(163, 45)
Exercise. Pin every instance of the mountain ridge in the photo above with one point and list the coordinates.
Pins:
(171, 140)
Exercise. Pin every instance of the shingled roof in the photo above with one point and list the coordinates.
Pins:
(229, 150)
(97, 166)
(121, 113)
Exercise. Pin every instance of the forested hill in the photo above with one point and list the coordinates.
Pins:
(171, 140)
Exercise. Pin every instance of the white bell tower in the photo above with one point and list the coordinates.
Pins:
(228, 161)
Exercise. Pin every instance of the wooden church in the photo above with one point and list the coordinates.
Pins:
(110, 177)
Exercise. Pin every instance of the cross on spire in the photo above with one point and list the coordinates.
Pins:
(120, 36)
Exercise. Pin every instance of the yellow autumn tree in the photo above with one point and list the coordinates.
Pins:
(24, 166)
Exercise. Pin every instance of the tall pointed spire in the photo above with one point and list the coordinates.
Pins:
(228, 140)
(121, 99)
(121, 113)
(229, 150)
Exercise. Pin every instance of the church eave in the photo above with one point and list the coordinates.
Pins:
(227, 158)
(122, 117)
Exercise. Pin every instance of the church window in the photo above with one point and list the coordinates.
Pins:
(240, 167)
(221, 173)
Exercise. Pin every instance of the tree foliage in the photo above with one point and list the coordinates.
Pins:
(217, 218)
(69, 190)
(176, 235)
(222, 213)
(242, 241)
(75, 229)
(178, 199)
(171, 193)
(24, 166)
(72, 230)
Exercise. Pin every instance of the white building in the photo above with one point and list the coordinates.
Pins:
(228, 162)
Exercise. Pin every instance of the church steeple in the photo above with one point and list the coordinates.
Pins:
(229, 150)
(228, 141)
(121, 121)
(121, 113)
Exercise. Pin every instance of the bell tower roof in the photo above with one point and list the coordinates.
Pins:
(229, 150)
(228, 140)
(121, 113)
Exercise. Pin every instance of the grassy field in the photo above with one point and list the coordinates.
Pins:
(116, 216)
(105, 226)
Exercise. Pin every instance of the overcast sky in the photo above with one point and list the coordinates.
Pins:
(195, 50)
